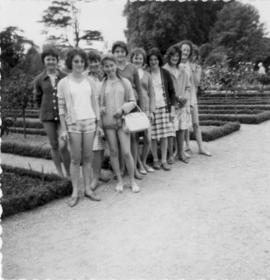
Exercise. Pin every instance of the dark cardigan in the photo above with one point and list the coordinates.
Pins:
(169, 91)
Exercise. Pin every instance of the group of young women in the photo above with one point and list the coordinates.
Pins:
(82, 111)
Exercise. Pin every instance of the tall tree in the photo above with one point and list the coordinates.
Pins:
(13, 45)
(65, 16)
(164, 23)
(239, 32)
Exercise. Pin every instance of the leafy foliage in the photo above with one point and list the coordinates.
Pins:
(161, 24)
(65, 16)
(238, 33)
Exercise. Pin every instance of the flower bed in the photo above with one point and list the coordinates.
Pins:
(26, 189)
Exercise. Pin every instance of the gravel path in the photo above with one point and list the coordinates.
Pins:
(206, 220)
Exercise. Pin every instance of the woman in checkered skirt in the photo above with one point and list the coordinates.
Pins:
(162, 126)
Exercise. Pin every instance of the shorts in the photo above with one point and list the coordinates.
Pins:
(83, 126)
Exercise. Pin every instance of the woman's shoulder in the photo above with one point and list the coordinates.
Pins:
(63, 81)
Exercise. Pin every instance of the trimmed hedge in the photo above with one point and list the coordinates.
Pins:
(25, 189)
(219, 131)
(246, 119)
(229, 111)
(232, 107)
(29, 124)
(35, 131)
(25, 150)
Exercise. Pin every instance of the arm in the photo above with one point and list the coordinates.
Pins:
(197, 73)
(171, 92)
(131, 100)
(152, 96)
(138, 86)
(62, 106)
(37, 92)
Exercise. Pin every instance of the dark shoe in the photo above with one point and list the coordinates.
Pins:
(165, 166)
(92, 196)
(156, 165)
(73, 201)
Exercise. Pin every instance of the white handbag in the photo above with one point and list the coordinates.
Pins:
(135, 122)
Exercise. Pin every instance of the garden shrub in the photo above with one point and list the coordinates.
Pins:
(26, 189)
(219, 131)
(246, 119)
(35, 131)
(25, 150)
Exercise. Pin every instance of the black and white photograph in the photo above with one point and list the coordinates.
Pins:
(135, 139)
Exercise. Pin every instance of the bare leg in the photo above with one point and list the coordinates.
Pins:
(164, 147)
(146, 150)
(75, 140)
(197, 131)
(180, 135)
(114, 156)
(97, 161)
(124, 139)
(87, 156)
(51, 131)
(134, 151)
(170, 149)
(64, 153)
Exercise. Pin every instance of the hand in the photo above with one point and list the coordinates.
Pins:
(172, 118)
(64, 136)
(102, 110)
(118, 113)
(181, 102)
(151, 117)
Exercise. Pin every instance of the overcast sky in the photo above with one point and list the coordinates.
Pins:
(103, 15)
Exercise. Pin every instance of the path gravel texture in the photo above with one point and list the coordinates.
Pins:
(206, 220)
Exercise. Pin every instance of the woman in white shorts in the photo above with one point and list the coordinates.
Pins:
(79, 117)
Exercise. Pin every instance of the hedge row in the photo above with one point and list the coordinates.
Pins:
(237, 106)
(28, 123)
(25, 150)
(25, 189)
(32, 131)
(219, 131)
(246, 119)
(229, 111)
(232, 102)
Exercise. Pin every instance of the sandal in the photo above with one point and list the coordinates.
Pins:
(143, 171)
(156, 165)
(119, 187)
(92, 196)
(73, 201)
(170, 160)
(135, 188)
(148, 168)
(165, 166)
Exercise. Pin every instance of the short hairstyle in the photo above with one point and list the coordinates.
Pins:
(156, 52)
(94, 56)
(72, 53)
(186, 42)
(49, 52)
(137, 51)
(172, 50)
(120, 44)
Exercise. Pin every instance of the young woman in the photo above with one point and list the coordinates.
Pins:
(187, 49)
(162, 126)
(80, 119)
(182, 91)
(129, 71)
(99, 146)
(45, 87)
(117, 98)
(138, 58)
